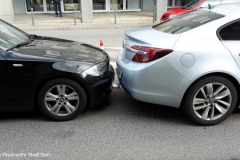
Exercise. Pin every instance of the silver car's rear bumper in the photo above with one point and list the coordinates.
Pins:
(155, 82)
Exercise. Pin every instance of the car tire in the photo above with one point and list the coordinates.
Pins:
(210, 100)
(62, 99)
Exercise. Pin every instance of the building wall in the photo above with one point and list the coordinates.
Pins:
(161, 8)
(19, 6)
(87, 13)
(6, 8)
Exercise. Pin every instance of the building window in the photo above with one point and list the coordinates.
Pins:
(99, 4)
(118, 4)
(50, 6)
(133, 4)
(178, 2)
(170, 3)
(70, 5)
(37, 5)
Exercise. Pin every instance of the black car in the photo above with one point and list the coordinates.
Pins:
(59, 76)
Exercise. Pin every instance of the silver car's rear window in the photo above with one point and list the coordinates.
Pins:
(187, 22)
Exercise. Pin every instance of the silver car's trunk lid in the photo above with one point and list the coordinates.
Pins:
(148, 37)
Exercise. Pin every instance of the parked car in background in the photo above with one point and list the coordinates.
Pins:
(191, 6)
(189, 62)
(59, 76)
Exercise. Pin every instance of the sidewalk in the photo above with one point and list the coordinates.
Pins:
(100, 20)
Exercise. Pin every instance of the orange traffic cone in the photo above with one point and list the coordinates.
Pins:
(101, 44)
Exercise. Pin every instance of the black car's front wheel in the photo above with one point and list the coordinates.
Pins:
(62, 99)
(211, 100)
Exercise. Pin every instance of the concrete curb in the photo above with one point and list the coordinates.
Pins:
(81, 26)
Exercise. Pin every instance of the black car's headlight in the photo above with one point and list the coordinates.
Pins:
(96, 70)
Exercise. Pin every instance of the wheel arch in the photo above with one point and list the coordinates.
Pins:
(43, 82)
(225, 75)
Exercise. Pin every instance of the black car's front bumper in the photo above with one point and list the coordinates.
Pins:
(100, 87)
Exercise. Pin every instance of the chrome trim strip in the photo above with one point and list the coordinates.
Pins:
(134, 50)
(17, 65)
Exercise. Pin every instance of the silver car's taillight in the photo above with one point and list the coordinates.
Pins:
(148, 54)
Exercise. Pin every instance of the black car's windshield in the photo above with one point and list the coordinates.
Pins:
(11, 37)
(191, 4)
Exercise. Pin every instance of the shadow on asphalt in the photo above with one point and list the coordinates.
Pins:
(123, 104)
(31, 115)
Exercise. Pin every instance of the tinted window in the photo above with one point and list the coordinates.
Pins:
(187, 22)
(231, 32)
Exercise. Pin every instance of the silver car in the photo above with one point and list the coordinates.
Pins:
(191, 62)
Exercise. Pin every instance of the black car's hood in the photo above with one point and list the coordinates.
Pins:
(63, 49)
(67, 55)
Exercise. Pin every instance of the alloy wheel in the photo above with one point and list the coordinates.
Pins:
(212, 101)
(61, 100)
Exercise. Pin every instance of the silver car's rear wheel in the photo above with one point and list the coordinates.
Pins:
(210, 100)
(62, 99)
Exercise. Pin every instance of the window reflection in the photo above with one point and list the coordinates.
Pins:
(178, 2)
(37, 5)
(170, 2)
(99, 4)
(50, 5)
(133, 4)
(70, 5)
(116, 3)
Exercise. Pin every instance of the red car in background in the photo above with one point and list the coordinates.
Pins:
(191, 6)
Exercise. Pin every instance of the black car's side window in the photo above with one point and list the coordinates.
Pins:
(231, 32)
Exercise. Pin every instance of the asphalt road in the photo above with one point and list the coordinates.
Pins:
(121, 128)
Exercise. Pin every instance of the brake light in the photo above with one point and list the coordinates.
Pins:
(148, 54)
